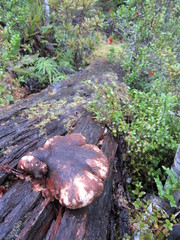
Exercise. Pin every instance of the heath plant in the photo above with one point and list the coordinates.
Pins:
(144, 120)
(150, 33)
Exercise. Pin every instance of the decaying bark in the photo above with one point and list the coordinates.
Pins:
(90, 222)
(25, 126)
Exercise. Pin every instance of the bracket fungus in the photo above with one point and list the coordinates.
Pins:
(77, 169)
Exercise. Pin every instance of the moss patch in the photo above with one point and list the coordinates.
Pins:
(103, 51)
(45, 112)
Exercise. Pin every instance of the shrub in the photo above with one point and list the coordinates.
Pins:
(22, 19)
(150, 32)
(172, 184)
(76, 28)
(151, 132)
(147, 220)
(152, 135)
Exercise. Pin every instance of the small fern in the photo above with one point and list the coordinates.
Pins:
(47, 69)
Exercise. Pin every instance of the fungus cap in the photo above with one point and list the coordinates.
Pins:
(77, 169)
(33, 166)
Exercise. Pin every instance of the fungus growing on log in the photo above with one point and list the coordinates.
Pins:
(77, 169)
(33, 166)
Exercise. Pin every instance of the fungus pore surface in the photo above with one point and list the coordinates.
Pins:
(77, 169)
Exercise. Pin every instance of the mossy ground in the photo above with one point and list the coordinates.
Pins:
(103, 50)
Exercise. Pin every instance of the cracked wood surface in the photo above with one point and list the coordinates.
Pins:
(27, 124)
(24, 127)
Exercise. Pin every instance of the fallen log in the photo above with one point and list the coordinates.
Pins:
(14, 205)
(24, 127)
(39, 222)
(84, 223)
(28, 123)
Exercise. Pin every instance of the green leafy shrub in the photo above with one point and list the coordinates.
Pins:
(22, 19)
(147, 220)
(5, 95)
(172, 184)
(150, 30)
(12, 47)
(76, 29)
(5, 91)
(151, 132)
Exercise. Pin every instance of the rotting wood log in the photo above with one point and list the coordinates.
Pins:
(39, 223)
(24, 213)
(14, 205)
(28, 123)
(24, 127)
(91, 222)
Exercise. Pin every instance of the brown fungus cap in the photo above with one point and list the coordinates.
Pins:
(32, 165)
(77, 169)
